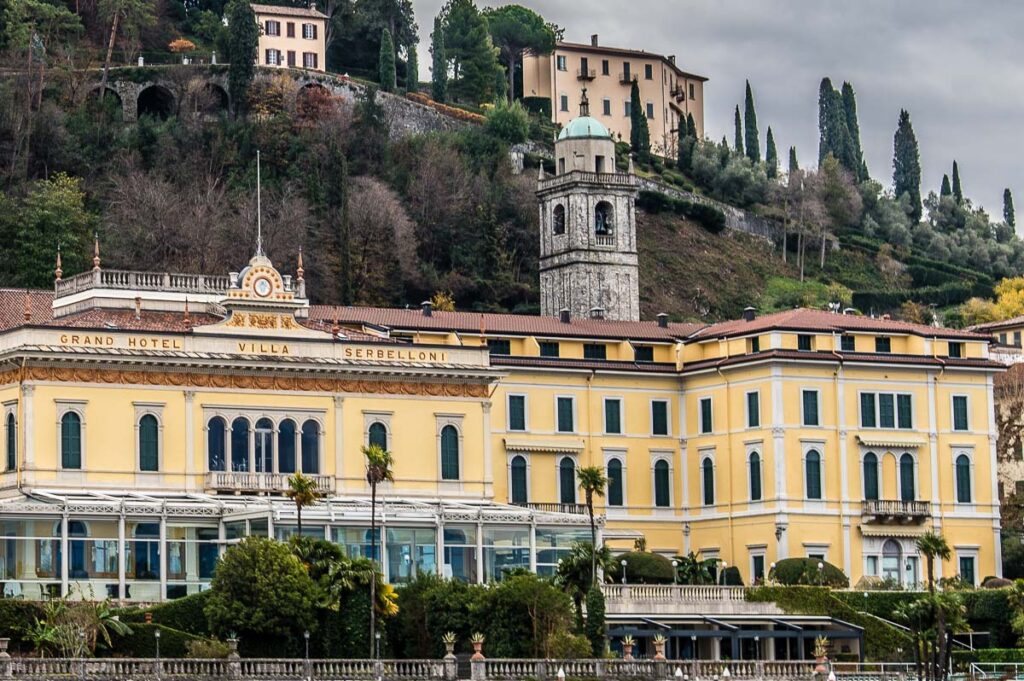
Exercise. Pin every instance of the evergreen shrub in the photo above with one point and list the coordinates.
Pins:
(642, 568)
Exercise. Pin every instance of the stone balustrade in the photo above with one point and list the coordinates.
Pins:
(663, 599)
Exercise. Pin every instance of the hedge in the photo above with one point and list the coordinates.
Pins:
(708, 217)
(950, 293)
(962, 658)
(142, 642)
(793, 571)
(184, 614)
(643, 568)
(987, 611)
(16, 616)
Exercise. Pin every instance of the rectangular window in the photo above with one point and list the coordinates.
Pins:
(517, 412)
(595, 351)
(757, 568)
(627, 108)
(613, 416)
(960, 412)
(1016, 338)
(955, 349)
(290, 29)
(886, 411)
(871, 566)
(499, 346)
(605, 67)
(706, 425)
(561, 63)
(565, 415)
(309, 31)
(650, 110)
(691, 90)
(847, 343)
(310, 60)
(883, 344)
(548, 349)
(804, 342)
(271, 57)
(626, 69)
(967, 569)
(755, 344)
(753, 410)
(643, 353)
(291, 58)
(659, 417)
(563, 103)
(273, 28)
(867, 410)
(648, 72)
(904, 412)
(810, 408)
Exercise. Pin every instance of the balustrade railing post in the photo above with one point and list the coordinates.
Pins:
(6, 667)
(234, 660)
(477, 669)
(451, 667)
(759, 667)
(661, 670)
(694, 665)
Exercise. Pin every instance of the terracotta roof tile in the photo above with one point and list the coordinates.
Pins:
(564, 363)
(12, 307)
(990, 327)
(280, 10)
(846, 357)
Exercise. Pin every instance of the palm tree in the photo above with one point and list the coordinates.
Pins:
(693, 570)
(933, 546)
(592, 481)
(575, 572)
(378, 469)
(303, 490)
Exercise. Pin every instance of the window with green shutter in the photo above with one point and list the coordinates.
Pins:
(549, 349)
(615, 482)
(518, 475)
(870, 476)
(810, 404)
(755, 476)
(661, 484)
(613, 417)
(12, 442)
(812, 462)
(960, 412)
(517, 412)
(867, 410)
(706, 425)
(883, 344)
(499, 346)
(149, 452)
(847, 343)
(595, 351)
(753, 410)
(659, 417)
(71, 441)
(567, 481)
(963, 479)
(908, 490)
(967, 569)
(804, 342)
(904, 411)
(886, 410)
(707, 468)
(643, 353)
(449, 453)
(565, 420)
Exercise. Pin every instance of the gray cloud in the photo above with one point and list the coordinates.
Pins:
(956, 65)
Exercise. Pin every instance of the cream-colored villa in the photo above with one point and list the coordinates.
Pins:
(291, 37)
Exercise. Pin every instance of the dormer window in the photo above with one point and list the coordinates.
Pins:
(883, 344)
(804, 342)
(603, 222)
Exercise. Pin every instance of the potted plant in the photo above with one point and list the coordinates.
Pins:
(659, 647)
(627, 647)
(449, 643)
(820, 655)
(477, 640)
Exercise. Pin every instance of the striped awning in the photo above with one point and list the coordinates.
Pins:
(884, 442)
(567, 446)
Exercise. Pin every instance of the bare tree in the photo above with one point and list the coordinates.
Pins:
(382, 241)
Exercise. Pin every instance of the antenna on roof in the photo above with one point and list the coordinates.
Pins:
(259, 216)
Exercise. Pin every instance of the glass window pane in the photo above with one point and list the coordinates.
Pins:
(149, 459)
(615, 483)
(518, 474)
(239, 445)
(867, 410)
(378, 435)
(286, 446)
(311, 447)
(215, 444)
(449, 453)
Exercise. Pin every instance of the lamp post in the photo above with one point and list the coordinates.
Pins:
(721, 574)
(675, 575)
(693, 651)
(156, 636)
(305, 635)
(821, 572)
(623, 564)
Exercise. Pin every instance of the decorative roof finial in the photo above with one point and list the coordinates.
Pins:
(95, 251)
(58, 272)
(584, 103)
(336, 328)
(28, 306)
(300, 273)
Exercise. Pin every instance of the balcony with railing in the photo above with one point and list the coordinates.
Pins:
(243, 482)
(627, 78)
(604, 240)
(586, 74)
(128, 280)
(554, 507)
(659, 599)
(614, 179)
(895, 510)
(678, 92)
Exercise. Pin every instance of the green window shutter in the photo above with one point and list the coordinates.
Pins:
(813, 465)
(565, 424)
(613, 416)
(867, 410)
(963, 479)
(516, 412)
(753, 410)
(709, 482)
(907, 491)
(659, 418)
(567, 481)
(378, 435)
(615, 483)
(149, 456)
(71, 441)
(886, 411)
(706, 425)
(967, 569)
(904, 411)
(870, 476)
(810, 398)
(755, 477)
(12, 443)
(449, 453)
(518, 480)
(661, 484)
(959, 412)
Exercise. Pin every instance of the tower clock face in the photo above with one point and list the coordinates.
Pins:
(262, 287)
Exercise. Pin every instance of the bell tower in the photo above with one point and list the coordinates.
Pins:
(588, 255)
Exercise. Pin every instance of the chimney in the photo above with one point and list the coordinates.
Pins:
(749, 314)
(662, 320)
(593, 40)
(597, 313)
(138, 307)
(672, 59)
(428, 308)
(563, 315)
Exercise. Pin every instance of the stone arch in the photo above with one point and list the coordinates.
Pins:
(313, 100)
(211, 99)
(604, 218)
(111, 101)
(155, 100)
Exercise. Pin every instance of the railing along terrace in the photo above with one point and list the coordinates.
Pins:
(236, 481)
(615, 178)
(672, 593)
(894, 508)
(142, 281)
(554, 507)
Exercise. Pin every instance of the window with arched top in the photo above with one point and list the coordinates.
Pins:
(378, 435)
(558, 219)
(615, 483)
(603, 218)
(449, 453)
(908, 490)
(215, 437)
(871, 476)
(892, 556)
(11, 432)
(71, 441)
(963, 479)
(812, 464)
(264, 446)
(311, 447)
(518, 480)
(755, 476)
(662, 484)
(567, 481)
(707, 469)
(149, 443)
(286, 446)
(240, 445)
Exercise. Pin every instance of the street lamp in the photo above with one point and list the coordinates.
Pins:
(821, 572)
(623, 564)
(721, 574)
(156, 635)
(757, 647)
(675, 575)
(693, 649)
(305, 635)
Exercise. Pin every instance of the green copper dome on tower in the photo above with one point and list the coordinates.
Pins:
(584, 126)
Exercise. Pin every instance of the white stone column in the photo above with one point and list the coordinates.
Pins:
(488, 462)
(190, 441)
(65, 555)
(339, 442)
(533, 544)
(479, 552)
(122, 562)
(29, 428)
(163, 557)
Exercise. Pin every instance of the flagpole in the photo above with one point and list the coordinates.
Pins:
(259, 214)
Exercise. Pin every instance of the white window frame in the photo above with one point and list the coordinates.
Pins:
(878, 410)
(156, 410)
(575, 420)
(561, 62)
(563, 98)
(441, 420)
(805, 448)
(818, 548)
(622, 414)
(620, 456)
(276, 33)
(526, 413)
(668, 417)
(558, 477)
(761, 551)
(606, 106)
(308, 31)
(310, 61)
(952, 413)
(382, 417)
(700, 415)
(867, 562)
(666, 456)
(969, 453)
(702, 456)
(899, 474)
(78, 407)
(817, 401)
(746, 409)
(10, 409)
(649, 110)
(754, 448)
(970, 552)
(508, 474)
(252, 415)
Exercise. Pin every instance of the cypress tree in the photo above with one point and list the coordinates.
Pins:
(793, 165)
(906, 164)
(834, 136)
(771, 156)
(1008, 216)
(691, 127)
(243, 44)
(751, 138)
(958, 192)
(439, 77)
(824, 99)
(386, 65)
(856, 164)
(639, 133)
(412, 69)
(945, 190)
(738, 137)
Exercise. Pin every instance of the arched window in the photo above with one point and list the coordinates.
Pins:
(558, 219)
(963, 479)
(240, 445)
(907, 487)
(378, 435)
(149, 443)
(870, 476)
(567, 481)
(891, 560)
(603, 218)
(812, 463)
(311, 447)
(215, 433)
(12, 443)
(518, 474)
(615, 482)
(146, 554)
(755, 476)
(286, 446)
(264, 443)
(78, 567)
(662, 492)
(449, 453)
(71, 441)
(707, 468)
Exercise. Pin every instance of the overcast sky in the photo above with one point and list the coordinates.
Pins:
(956, 65)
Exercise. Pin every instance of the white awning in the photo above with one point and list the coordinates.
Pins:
(885, 442)
(568, 446)
(892, 531)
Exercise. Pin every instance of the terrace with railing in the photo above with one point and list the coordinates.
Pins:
(895, 510)
(128, 280)
(260, 483)
(660, 599)
(615, 179)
